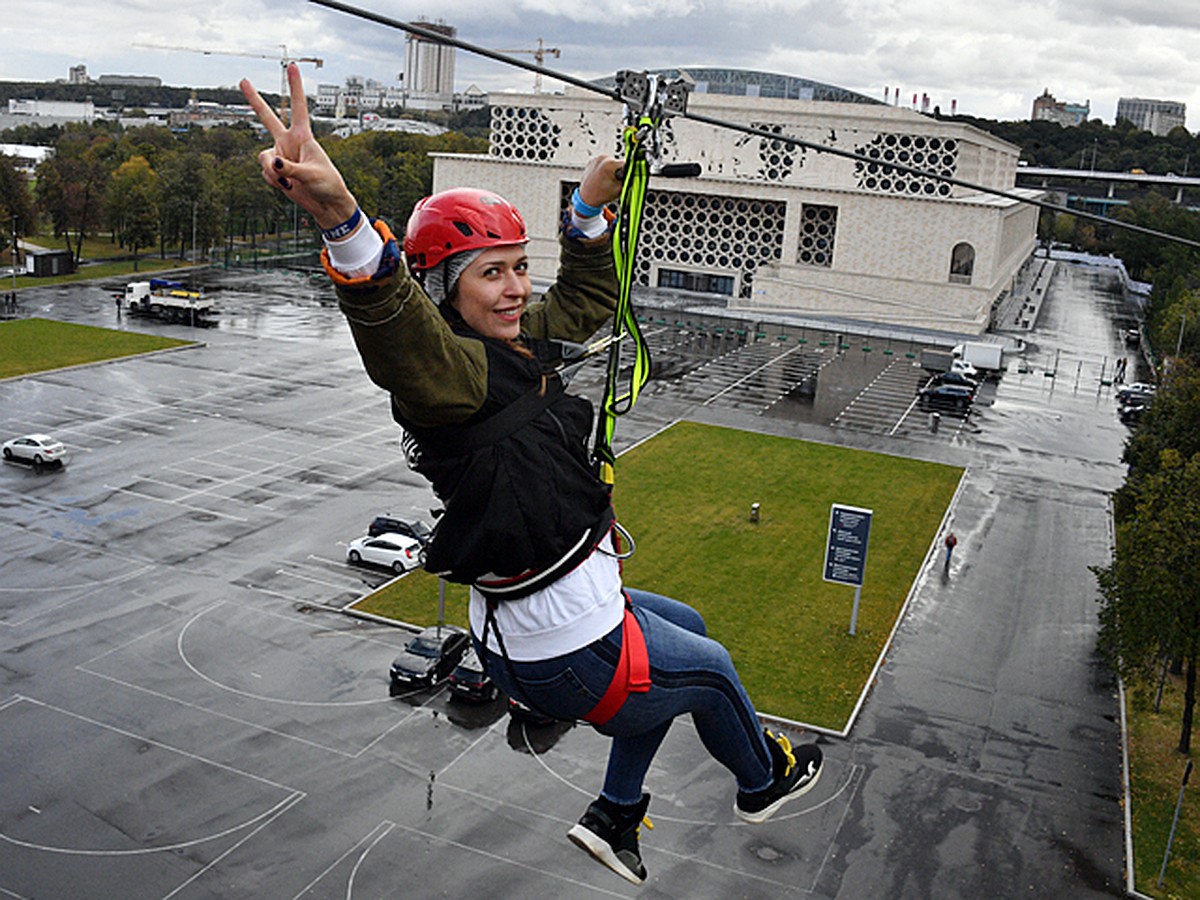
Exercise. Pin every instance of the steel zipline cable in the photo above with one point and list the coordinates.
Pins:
(432, 35)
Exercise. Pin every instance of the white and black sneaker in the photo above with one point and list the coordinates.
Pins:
(610, 834)
(796, 771)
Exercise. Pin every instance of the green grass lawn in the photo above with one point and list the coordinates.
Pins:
(685, 496)
(35, 345)
(1156, 770)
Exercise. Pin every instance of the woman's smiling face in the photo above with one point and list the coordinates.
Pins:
(492, 292)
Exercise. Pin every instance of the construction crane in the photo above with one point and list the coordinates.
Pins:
(539, 56)
(283, 58)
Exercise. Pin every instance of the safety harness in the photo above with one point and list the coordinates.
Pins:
(647, 101)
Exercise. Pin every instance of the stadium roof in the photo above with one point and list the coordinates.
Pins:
(752, 83)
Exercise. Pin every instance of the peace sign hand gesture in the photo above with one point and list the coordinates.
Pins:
(297, 164)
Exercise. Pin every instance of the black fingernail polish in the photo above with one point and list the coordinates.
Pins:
(278, 163)
(284, 183)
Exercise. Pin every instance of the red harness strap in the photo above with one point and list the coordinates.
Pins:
(632, 674)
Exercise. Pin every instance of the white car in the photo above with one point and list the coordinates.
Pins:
(393, 551)
(37, 449)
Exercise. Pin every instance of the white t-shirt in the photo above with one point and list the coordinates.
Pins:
(582, 606)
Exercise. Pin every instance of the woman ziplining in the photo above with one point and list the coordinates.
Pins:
(474, 370)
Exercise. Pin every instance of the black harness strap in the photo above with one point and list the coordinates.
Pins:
(458, 441)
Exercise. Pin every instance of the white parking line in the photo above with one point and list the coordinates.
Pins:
(203, 509)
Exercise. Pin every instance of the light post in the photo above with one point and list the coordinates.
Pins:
(193, 231)
(14, 266)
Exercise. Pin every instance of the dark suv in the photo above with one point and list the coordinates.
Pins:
(946, 396)
(413, 528)
(957, 378)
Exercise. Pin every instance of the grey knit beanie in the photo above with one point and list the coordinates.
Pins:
(440, 280)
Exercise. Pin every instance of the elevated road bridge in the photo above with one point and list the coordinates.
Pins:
(1170, 185)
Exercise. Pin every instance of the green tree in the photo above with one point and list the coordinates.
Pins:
(71, 185)
(15, 201)
(190, 204)
(1176, 332)
(1168, 424)
(1150, 592)
(133, 204)
(1064, 227)
(244, 198)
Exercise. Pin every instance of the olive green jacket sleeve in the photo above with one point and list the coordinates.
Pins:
(437, 377)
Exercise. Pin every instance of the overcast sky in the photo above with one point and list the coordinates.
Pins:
(991, 56)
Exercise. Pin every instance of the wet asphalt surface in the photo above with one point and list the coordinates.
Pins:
(186, 712)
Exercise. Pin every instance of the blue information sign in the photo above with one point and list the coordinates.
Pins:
(846, 552)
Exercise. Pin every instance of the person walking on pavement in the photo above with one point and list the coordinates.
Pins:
(474, 369)
(950, 543)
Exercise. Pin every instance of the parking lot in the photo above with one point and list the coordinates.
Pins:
(187, 713)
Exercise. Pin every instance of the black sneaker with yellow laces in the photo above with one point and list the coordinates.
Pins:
(610, 834)
(796, 770)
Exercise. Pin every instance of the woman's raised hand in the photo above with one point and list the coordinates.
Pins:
(601, 181)
(297, 164)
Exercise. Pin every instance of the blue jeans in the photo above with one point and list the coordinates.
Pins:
(690, 673)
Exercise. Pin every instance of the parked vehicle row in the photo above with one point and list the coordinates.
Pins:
(1132, 400)
(1139, 393)
(391, 542)
(953, 390)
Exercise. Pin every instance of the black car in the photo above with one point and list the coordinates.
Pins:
(957, 378)
(946, 396)
(429, 657)
(413, 528)
(1131, 414)
(470, 681)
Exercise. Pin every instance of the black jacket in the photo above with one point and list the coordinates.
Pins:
(521, 494)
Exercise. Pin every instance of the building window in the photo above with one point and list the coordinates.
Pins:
(730, 237)
(962, 263)
(700, 282)
(519, 132)
(929, 154)
(818, 228)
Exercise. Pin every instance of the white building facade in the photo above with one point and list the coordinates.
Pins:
(429, 69)
(781, 228)
(1156, 116)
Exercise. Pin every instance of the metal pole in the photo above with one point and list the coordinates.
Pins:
(1174, 822)
(441, 602)
(854, 612)
(14, 267)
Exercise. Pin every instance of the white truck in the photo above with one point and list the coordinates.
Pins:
(936, 362)
(168, 301)
(985, 356)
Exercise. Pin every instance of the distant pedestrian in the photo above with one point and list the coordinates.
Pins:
(950, 543)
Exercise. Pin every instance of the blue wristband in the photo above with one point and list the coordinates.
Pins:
(340, 231)
(585, 210)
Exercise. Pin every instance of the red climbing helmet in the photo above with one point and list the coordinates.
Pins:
(457, 220)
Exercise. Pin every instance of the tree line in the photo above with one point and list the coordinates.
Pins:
(1095, 145)
(149, 186)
